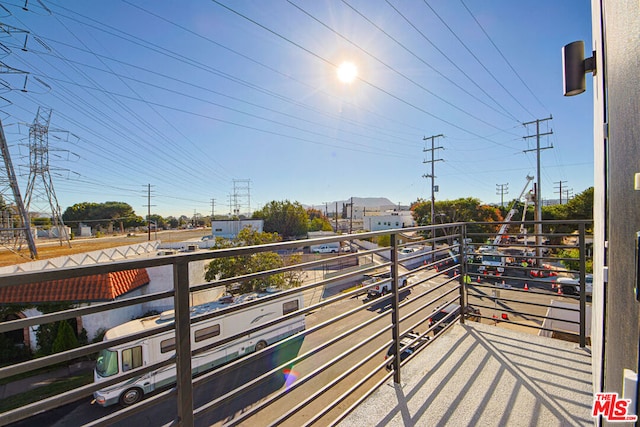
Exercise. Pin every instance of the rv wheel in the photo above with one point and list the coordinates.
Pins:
(260, 345)
(131, 396)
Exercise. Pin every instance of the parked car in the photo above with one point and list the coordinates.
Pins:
(571, 285)
(326, 249)
(451, 312)
(406, 346)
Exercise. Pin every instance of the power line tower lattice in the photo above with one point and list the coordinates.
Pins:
(40, 185)
(15, 227)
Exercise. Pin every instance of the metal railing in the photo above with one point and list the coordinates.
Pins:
(357, 336)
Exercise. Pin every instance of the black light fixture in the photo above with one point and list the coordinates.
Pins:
(574, 68)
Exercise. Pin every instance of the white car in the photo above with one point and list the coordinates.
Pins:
(326, 249)
(571, 285)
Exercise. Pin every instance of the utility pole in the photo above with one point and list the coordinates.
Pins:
(351, 216)
(432, 175)
(559, 187)
(148, 205)
(502, 189)
(213, 209)
(336, 217)
(568, 193)
(538, 216)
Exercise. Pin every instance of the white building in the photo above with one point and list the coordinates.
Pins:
(229, 229)
(389, 221)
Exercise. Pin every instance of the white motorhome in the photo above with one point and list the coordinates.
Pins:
(117, 360)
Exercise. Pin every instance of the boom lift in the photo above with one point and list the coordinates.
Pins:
(512, 212)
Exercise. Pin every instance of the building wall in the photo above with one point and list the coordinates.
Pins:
(388, 222)
(230, 228)
(621, 22)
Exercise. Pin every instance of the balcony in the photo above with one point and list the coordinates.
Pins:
(479, 336)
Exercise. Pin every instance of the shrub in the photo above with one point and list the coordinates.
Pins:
(65, 338)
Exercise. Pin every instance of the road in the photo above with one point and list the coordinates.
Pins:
(322, 367)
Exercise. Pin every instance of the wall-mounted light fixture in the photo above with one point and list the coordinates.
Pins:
(574, 67)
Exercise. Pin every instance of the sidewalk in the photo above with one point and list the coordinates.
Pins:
(31, 383)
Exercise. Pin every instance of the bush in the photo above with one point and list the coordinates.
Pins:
(11, 353)
(65, 338)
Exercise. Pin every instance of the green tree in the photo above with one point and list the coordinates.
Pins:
(172, 221)
(42, 222)
(468, 209)
(102, 214)
(288, 219)
(228, 267)
(48, 332)
(65, 338)
(320, 224)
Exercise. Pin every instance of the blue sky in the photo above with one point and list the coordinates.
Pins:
(190, 96)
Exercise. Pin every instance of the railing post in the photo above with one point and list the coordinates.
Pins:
(463, 272)
(183, 342)
(583, 287)
(395, 310)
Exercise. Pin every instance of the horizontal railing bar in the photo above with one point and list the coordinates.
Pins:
(80, 311)
(523, 313)
(336, 380)
(213, 404)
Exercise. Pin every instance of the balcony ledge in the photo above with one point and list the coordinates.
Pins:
(477, 374)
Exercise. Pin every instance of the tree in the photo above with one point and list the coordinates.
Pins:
(102, 214)
(42, 222)
(65, 338)
(288, 219)
(320, 224)
(172, 221)
(467, 209)
(228, 267)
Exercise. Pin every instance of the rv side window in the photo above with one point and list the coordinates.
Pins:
(131, 358)
(289, 307)
(167, 345)
(206, 333)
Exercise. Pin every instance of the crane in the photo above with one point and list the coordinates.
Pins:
(512, 212)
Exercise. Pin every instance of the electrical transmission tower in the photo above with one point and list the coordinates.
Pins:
(15, 227)
(241, 197)
(40, 186)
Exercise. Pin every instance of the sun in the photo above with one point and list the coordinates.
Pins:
(347, 72)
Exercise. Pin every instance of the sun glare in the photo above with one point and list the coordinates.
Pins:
(347, 72)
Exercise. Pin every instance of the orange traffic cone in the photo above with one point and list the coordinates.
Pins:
(478, 279)
(559, 290)
(526, 287)
(436, 267)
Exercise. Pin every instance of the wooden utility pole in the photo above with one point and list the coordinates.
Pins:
(538, 215)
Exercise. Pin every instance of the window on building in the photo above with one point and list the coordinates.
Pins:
(131, 358)
(208, 332)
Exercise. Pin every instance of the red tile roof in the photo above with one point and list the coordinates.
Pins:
(99, 287)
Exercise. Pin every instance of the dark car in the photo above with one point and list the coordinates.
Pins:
(406, 348)
(451, 312)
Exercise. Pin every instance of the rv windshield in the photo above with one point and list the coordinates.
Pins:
(107, 363)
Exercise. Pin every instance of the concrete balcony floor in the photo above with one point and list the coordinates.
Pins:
(483, 375)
